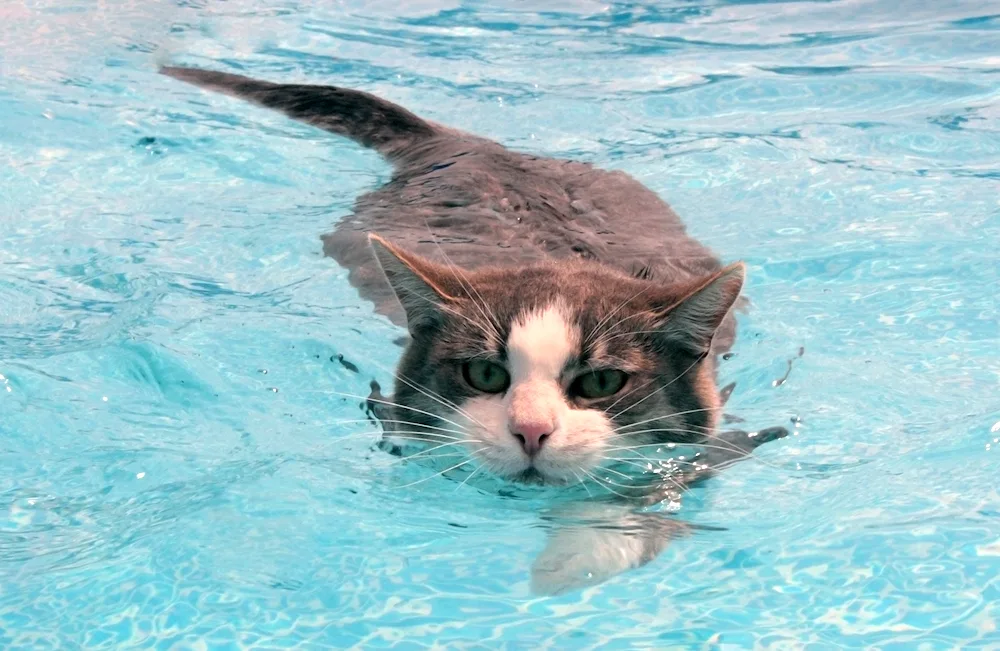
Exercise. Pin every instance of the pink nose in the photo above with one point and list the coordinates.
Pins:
(532, 435)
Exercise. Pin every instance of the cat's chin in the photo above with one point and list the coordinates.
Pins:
(531, 477)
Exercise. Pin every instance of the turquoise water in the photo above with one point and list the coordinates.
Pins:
(179, 467)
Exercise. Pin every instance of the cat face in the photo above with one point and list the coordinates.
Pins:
(551, 372)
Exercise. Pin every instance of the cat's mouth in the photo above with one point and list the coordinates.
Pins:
(531, 476)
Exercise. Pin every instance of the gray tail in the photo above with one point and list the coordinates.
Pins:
(364, 118)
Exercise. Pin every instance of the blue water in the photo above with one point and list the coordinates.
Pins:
(179, 467)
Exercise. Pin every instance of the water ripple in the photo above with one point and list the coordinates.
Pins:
(180, 467)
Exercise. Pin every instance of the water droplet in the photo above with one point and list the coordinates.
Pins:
(140, 475)
(996, 427)
(104, 398)
(671, 446)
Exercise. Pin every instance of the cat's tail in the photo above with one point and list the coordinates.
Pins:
(364, 118)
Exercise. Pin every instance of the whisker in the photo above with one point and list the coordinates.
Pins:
(583, 483)
(481, 305)
(639, 461)
(706, 435)
(662, 417)
(452, 311)
(401, 434)
(633, 332)
(596, 334)
(438, 474)
(423, 452)
(604, 485)
(395, 462)
(647, 467)
(648, 459)
(430, 394)
(438, 434)
(672, 430)
(651, 394)
(630, 392)
(642, 466)
(599, 483)
(620, 474)
(744, 454)
(394, 404)
(400, 422)
(731, 448)
(471, 474)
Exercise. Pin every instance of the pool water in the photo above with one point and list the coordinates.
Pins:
(183, 460)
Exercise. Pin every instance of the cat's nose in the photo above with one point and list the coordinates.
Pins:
(532, 435)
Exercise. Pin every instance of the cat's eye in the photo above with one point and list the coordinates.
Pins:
(486, 376)
(599, 384)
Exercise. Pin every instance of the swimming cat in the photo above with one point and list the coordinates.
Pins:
(561, 321)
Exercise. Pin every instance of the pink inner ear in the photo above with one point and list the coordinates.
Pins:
(424, 288)
(403, 268)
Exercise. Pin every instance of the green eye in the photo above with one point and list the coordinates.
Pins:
(599, 384)
(486, 376)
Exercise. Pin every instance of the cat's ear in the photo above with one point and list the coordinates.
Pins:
(693, 320)
(422, 287)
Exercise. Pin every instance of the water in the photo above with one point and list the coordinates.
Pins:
(177, 469)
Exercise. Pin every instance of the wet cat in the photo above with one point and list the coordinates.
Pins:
(562, 324)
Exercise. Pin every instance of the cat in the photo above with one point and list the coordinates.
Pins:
(561, 322)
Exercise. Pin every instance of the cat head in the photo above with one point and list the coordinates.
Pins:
(545, 373)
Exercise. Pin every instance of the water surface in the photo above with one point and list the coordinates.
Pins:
(180, 467)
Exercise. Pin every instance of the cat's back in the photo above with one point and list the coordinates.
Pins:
(477, 203)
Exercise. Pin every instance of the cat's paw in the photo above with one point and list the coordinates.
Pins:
(583, 554)
(579, 557)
